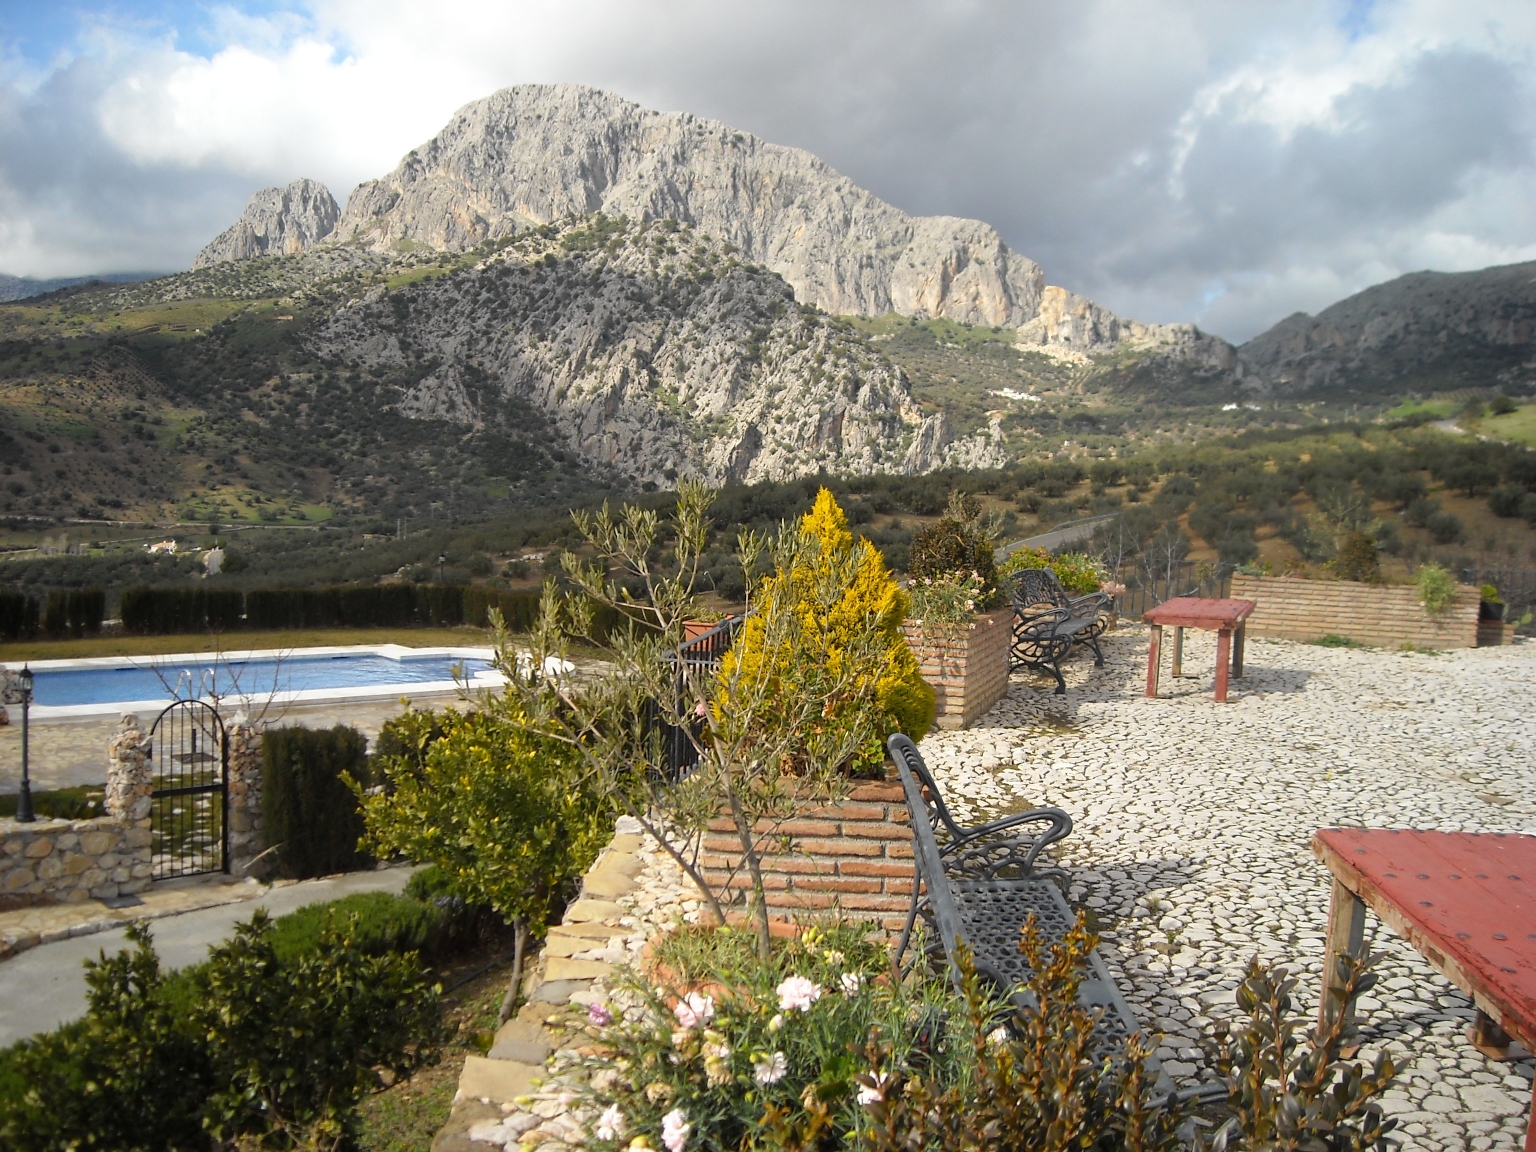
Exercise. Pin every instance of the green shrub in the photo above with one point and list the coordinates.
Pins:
(74, 613)
(1505, 500)
(18, 616)
(1357, 559)
(1436, 589)
(1078, 572)
(81, 802)
(381, 922)
(1334, 640)
(957, 547)
(312, 817)
(133, 1074)
(162, 611)
(1445, 527)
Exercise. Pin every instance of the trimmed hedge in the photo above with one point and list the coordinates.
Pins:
(156, 611)
(18, 616)
(312, 817)
(74, 613)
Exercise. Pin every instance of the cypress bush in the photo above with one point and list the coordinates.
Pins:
(311, 815)
(159, 611)
(74, 613)
(18, 616)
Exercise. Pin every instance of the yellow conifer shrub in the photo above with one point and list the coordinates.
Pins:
(849, 612)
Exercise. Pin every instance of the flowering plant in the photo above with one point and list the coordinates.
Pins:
(686, 1071)
(940, 601)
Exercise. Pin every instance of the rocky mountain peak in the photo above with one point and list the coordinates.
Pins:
(276, 222)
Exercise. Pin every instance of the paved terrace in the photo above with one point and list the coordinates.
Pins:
(1193, 821)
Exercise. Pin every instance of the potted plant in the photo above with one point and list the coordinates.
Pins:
(958, 623)
(1492, 630)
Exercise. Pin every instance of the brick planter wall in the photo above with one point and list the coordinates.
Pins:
(1381, 615)
(968, 668)
(855, 857)
(1494, 633)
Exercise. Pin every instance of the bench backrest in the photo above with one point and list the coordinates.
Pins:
(1038, 586)
(930, 864)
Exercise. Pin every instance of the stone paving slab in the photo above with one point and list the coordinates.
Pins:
(26, 928)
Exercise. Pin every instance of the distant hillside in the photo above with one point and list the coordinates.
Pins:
(23, 287)
(1424, 332)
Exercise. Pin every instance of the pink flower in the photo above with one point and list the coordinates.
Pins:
(770, 1069)
(695, 1010)
(869, 1093)
(611, 1125)
(675, 1129)
(852, 982)
(599, 1014)
(798, 992)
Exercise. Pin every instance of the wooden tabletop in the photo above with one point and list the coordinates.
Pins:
(1466, 901)
(1196, 612)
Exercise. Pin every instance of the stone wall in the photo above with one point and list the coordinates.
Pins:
(62, 861)
(967, 669)
(855, 857)
(1381, 615)
(247, 827)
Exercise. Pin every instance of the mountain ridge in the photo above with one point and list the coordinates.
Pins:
(531, 154)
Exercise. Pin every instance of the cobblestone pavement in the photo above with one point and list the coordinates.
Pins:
(1193, 822)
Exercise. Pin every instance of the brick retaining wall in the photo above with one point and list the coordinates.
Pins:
(855, 857)
(1381, 615)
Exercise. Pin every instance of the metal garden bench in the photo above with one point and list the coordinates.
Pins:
(1047, 623)
(978, 885)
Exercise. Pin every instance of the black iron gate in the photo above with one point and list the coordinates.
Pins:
(188, 833)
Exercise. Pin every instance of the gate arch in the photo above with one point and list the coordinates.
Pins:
(189, 834)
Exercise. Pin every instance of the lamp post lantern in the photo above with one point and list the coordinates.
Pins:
(24, 813)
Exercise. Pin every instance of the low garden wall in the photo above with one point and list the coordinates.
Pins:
(64, 861)
(855, 856)
(1381, 615)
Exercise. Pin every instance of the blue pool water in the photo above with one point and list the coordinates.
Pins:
(257, 677)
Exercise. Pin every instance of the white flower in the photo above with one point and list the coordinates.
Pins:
(798, 992)
(770, 1069)
(695, 1010)
(675, 1129)
(834, 957)
(776, 1023)
(611, 1125)
(852, 982)
(997, 1037)
(868, 1094)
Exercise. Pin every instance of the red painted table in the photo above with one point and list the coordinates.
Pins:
(1225, 617)
(1466, 901)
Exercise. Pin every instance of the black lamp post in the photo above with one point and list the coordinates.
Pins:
(24, 813)
(441, 560)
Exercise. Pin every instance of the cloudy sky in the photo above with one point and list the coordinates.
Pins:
(1225, 163)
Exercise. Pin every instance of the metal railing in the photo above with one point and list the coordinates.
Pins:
(1517, 588)
(1145, 590)
(695, 659)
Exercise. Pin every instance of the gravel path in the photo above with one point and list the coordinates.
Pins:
(1193, 821)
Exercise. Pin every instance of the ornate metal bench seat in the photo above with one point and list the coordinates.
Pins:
(979, 885)
(1047, 623)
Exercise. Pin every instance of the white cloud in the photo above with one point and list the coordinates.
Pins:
(1175, 159)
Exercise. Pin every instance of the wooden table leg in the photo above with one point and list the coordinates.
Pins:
(1154, 658)
(1346, 933)
(1530, 1124)
(1487, 1037)
(1223, 660)
(1238, 638)
(1178, 652)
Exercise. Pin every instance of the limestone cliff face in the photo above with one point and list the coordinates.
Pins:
(276, 222)
(1074, 326)
(537, 153)
(656, 353)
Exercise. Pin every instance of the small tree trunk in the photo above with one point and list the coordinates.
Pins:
(515, 984)
(755, 870)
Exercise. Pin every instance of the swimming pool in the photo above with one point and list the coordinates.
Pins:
(65, 688)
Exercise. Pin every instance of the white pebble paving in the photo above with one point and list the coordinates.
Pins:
(1193, 823)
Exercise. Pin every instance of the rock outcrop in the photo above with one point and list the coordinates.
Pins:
(1426, 331)
(1070, 325)
(539, 153)
(656, 354)
(276, 222)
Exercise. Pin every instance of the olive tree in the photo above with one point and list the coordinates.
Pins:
(818, 675)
